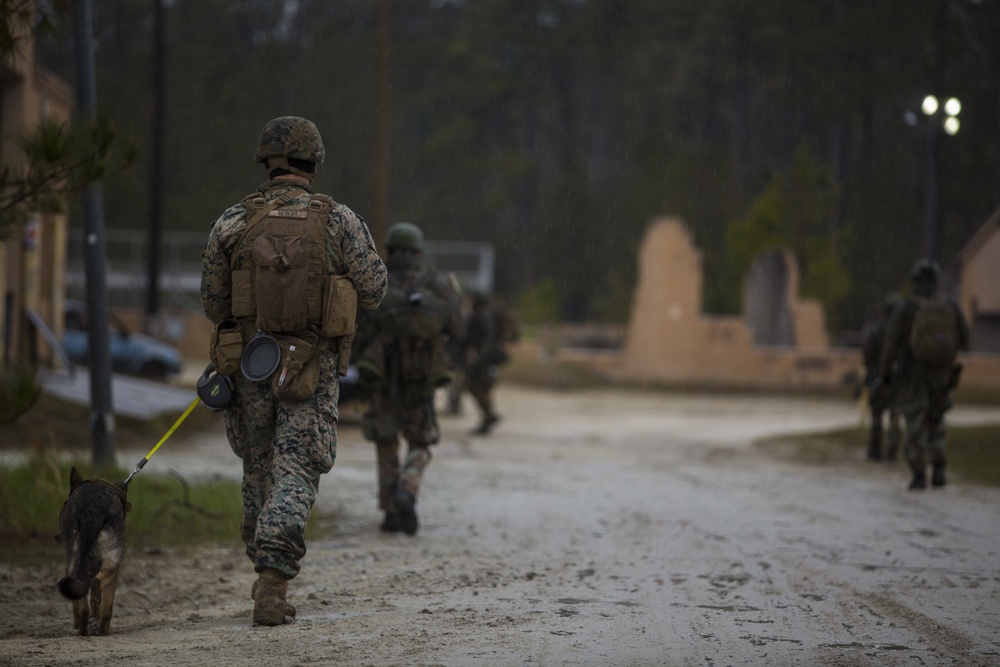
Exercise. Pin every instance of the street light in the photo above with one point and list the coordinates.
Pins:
(936, 123)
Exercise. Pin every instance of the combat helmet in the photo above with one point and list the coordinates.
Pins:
(405, 235)
(925, 271)
(290, 138)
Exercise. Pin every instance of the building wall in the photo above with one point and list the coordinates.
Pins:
(981, 278)
(33, 260)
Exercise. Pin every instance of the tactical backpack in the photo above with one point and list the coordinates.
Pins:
(413, 312)
(412, 319)
(934, 333)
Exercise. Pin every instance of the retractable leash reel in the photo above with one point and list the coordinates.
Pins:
(214, 389)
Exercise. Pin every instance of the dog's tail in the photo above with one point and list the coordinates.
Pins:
(74, 589)
(82, 566)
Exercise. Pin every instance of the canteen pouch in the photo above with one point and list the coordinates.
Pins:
(298, 374)
(227, 347)
(340, 307)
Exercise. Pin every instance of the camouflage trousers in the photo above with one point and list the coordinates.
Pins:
(384, 422)
(480, 379)
(895, 432)
(924, 398)
(285, 448)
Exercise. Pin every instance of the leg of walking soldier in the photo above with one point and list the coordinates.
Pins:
(420, 428)
(250, 431)
(481, 383)
(895, 433)
(939, 403)
(418, 457)
(875, 438)
(455, 389)
(915, 447)
(914, 404)
(387, 452)
(381, 427)
(305, 446)
(291, 445)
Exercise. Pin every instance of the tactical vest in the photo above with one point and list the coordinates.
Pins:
(279, 264)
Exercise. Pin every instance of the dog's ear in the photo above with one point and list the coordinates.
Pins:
(74, 478)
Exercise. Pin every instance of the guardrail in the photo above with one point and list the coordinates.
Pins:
(126, 251)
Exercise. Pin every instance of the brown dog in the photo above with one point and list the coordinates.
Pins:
(92, 529)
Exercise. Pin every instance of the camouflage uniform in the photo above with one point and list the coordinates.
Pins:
(484, 355)
(404, 406)
(285, 446)
(924, 393)
(881, 397)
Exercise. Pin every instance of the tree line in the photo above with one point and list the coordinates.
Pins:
(557, 129)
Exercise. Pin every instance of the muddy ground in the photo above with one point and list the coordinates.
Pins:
(592, 528)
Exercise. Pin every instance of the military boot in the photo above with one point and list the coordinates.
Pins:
(391, 523)
(489, 421)
(937, 475)
(919, 480)
(269, 605)
(406, 507)
(875, 444)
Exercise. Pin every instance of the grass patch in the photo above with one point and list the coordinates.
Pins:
(973, 451)
(166, 511)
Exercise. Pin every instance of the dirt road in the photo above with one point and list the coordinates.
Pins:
(593, 528)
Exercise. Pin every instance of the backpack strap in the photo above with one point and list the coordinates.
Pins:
(257, 209)
(318, 212)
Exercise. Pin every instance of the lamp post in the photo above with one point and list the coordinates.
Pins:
(940, 119)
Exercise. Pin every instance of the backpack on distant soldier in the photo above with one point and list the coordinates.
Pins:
(934, 333)
(508, 328)
(414, 312)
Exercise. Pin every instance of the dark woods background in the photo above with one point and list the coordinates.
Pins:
(557, 129)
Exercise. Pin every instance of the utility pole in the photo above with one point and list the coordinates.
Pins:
(102, 418)
(381, 125)
(156, 169)
(932, 232)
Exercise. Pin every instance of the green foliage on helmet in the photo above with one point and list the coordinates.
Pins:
(291, 137)
(404, 235)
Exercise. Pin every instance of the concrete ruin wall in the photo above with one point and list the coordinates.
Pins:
(669, 340)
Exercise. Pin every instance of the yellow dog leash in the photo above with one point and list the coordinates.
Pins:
(169, 433)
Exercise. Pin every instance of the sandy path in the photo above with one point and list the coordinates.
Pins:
(593, 528)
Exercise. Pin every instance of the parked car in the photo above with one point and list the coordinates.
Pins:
(131, 353)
